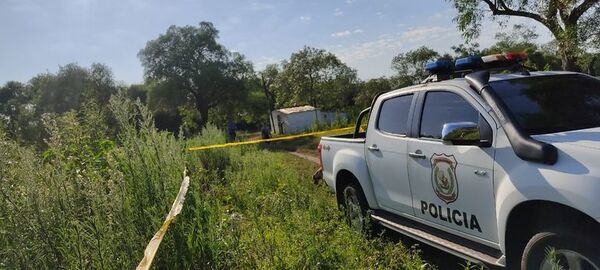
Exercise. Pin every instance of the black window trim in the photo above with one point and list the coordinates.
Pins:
(418, 110)
(410, 114)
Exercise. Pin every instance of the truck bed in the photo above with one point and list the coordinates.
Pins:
(347, 137)
(345, 147)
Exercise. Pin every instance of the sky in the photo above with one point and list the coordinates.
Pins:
(38, 36)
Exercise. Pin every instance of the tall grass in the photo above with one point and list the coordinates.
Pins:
(91, 202)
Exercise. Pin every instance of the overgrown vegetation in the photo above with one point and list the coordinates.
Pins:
(191, 79)
(91, 202)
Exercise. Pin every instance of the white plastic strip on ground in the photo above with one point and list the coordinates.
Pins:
(152, 247)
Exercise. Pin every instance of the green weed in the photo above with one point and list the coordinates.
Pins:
(91, 202)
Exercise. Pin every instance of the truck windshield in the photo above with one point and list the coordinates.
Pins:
(550, 104)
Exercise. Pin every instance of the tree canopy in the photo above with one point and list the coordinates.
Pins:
(191, 58)
(410, 66)
(316, 77)
(191, 78)
(574, 23)
(268, 77)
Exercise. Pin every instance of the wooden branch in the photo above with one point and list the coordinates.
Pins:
(552, 10)
(579, 10)
(505, 10)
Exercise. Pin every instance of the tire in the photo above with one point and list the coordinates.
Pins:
(355, 207)
(571, 252)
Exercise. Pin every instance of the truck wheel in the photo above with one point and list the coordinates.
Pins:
(355, 207)
(570, 252)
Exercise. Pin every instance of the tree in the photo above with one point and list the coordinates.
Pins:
(590, 63)
(267, 79)
(100, 84)
(164, 100)
(71, 87)
(411, 65)
(522, 39)
(62, 92)
(316, 77)
(572, 22)
(464, 50)
(371, 88)
(191, 59)
(13, 106)
(137, 91)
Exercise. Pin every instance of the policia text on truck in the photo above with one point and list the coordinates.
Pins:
(484, 159)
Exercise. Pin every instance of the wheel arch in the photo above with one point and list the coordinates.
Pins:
(530, 217)
(342, 179)
(352, 165)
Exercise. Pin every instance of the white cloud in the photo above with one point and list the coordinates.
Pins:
(341, 34)
(261, 62)
(346, 33)
(384, 45)
(442, 15)
(372, 58)
(380, 14)
(338, 12)
(260, 6)
(350, 1)
(425, 33)
(436, 16)
(305, 18)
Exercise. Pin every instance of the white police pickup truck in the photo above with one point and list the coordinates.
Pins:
(495, 167)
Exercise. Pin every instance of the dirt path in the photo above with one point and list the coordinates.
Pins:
(305, 156)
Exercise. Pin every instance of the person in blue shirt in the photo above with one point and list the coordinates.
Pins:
(231, 128)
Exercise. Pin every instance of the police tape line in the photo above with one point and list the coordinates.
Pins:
(285, 138)
(152, 247)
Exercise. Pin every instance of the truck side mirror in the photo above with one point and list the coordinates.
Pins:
(468, 133)
(461, 133)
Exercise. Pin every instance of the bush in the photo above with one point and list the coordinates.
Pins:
(89, 202)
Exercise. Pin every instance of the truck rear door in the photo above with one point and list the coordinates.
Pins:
(386, 151)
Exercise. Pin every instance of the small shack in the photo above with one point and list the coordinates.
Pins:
(298, 119)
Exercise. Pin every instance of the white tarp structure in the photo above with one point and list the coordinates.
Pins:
(298, 119)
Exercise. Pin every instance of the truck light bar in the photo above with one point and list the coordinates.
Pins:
(440, 66)
(444, 69)
(469, 62)
(518, 57)
(504, 59)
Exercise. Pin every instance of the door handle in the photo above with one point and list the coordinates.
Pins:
(480, 172)
(373, 148)
(417, 154)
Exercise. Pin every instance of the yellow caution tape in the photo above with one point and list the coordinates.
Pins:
(152, 247)
(198, 148)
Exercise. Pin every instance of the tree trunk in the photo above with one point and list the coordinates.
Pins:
(569, 61)
(270, 106)
(203, 110)
(591, 68)
(568, 47)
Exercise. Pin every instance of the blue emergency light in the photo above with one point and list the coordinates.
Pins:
(469, 62)
(440, 66)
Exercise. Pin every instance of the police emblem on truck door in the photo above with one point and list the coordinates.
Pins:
(443, 177)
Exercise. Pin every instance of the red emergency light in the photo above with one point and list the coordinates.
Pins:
(518, 57)
(504, 59)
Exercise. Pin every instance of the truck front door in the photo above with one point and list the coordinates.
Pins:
(452, 185)
(386, 152)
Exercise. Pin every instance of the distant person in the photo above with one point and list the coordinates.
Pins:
(231, 128)
(265, 132)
